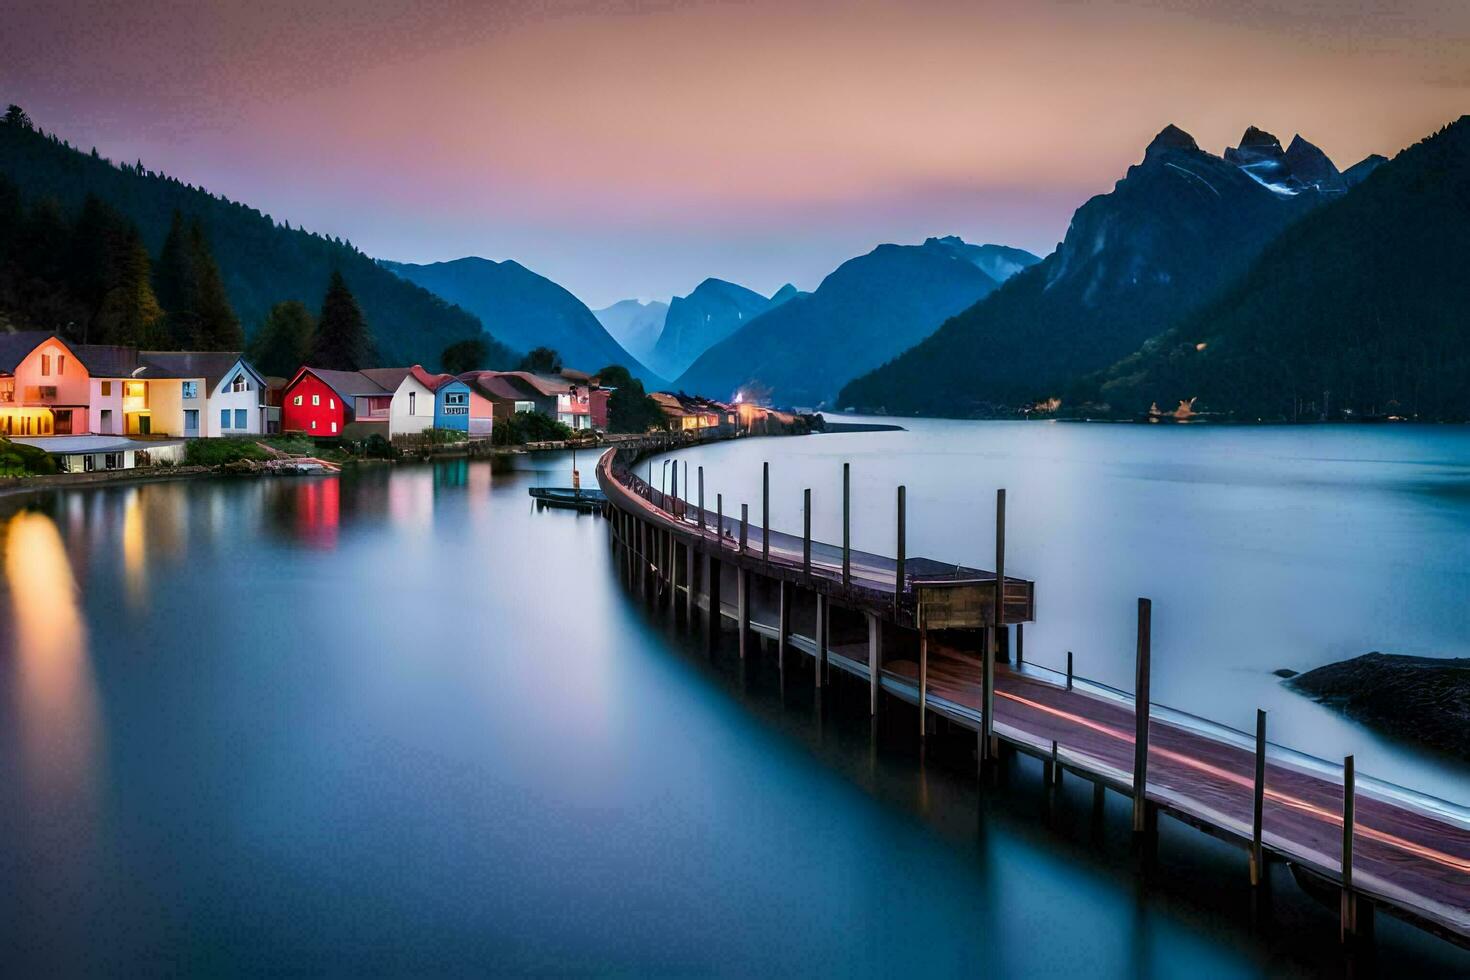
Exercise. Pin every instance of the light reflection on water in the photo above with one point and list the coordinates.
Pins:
(55, 699)
(401, 721)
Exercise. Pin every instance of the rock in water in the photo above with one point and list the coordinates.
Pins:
(1420, 698)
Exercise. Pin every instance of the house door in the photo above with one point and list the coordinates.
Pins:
(145, 424)
(62, 422)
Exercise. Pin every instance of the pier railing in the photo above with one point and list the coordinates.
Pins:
(1368, 838)
(861, 575)
(1407, 849)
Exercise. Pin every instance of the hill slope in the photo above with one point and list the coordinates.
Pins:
(634, 325)
(525, 310)
(261, 262)
(712, 312)
(1358, 308)
(866, 311)
(1176, 228)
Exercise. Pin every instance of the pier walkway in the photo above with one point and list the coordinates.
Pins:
(1380, 845)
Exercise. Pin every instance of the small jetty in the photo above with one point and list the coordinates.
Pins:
(946, 643)
(570, 498)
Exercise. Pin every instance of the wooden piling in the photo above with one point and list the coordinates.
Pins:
(744, 525)
(875, 661)
(701, 500)
(1020, 644)
(742, 605)
(806, 534)
(1069, 670)
(1140, 718)
(923, 681)
(1258, 809)
(1348, 923)
(899, 570)
(766, 513)
(720, 520)
(846, 526)
(689, 583)
(783, 624)
(819, 660)
(713, 618)
(987, 695)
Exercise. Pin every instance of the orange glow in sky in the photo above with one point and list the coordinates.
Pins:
(633, 149)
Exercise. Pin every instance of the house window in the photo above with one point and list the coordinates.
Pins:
(191, 420)
(313, 424)
(317, 400)
(455, 398)
(89, 463)
(60, 363)
(111, 461)
(45, 365)
(240, 384)
(107, 389)
(298, 400)
(240, 422)
(412, 398)
(334, 427)
(224, 418)
(331, 403)
(191, 389)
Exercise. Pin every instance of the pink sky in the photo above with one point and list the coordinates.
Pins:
(633, 149)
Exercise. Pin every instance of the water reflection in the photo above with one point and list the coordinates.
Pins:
(55, 693)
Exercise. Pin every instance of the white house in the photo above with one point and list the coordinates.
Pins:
(411, 410)
(85, 454)
(236, 401)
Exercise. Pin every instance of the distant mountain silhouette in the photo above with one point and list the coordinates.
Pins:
(261, 262)
(869, 309)
(1359, 308)
(527, 310)
(1170, 234)
(713, 311)
(634, 325)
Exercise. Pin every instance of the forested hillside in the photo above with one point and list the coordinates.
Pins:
(261, 261)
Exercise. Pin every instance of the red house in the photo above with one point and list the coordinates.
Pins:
(319, 402)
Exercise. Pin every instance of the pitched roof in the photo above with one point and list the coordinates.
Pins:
(494, 385)
(432, 381)
(347, 384)
(388, 378)
(541, 383)
(15, 347)
(107, 360)
(210, 365)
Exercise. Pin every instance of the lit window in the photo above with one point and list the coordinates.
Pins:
(106, 389)
(298, 399)
(334, 426)
(45, 365)
(313, 423)
(191, 389)
(331, 403)
(60, 363)
(317, 400)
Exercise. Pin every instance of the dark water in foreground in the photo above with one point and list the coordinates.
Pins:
(401, 722)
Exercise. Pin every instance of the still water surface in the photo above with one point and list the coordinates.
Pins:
(1261, 548)
(403, 722)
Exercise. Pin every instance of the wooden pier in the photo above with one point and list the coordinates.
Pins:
(927, 634)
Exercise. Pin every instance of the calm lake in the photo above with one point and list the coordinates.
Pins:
(401, 721)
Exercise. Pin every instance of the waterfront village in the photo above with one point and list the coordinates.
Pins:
(94, 407)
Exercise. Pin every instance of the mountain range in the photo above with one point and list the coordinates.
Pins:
(262, 262)
(1357, 310)
(709, 314)
(1178, 227)
(634, 324)
(525, 310)
(869, 309)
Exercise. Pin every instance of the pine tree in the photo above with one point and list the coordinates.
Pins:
(175, 282)
(342, 341)
(218, 328)
(130, 312)
(284, 340)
